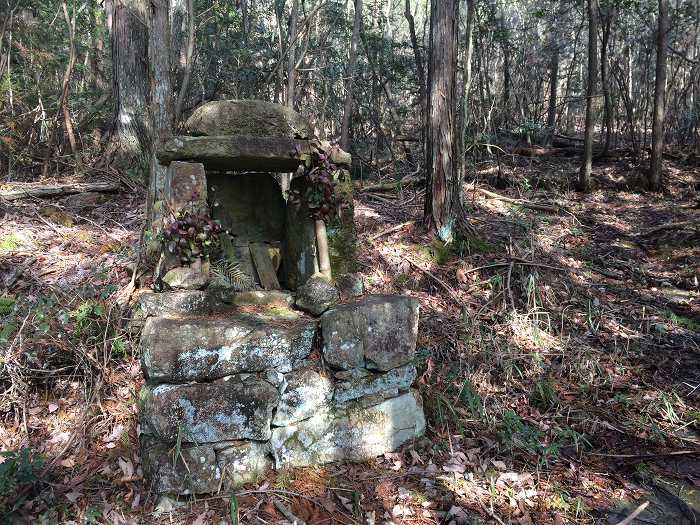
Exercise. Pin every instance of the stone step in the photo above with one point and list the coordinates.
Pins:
(178, 350)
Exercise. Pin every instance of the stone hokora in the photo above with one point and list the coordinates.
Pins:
(233, 408)
(179, 350)
(378, 332)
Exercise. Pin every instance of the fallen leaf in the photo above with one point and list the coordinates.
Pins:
(68, 462)
(53, 407)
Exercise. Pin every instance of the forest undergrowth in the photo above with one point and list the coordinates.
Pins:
(559, 360)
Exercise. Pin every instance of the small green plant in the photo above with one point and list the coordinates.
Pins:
(683, 322)
(544, 394)
(10, 243)
(18, 470)
(7, 304)
(471, 397)
(89, 317)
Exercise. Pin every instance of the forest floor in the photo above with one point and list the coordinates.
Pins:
(559, 353)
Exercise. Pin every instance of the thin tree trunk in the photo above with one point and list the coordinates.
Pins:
(350, 77)
(188, 62)
(609, 14)
(584, 179)
(63, 103)
(466, 84)
(292, 56)
(443, 188)
(657, 133)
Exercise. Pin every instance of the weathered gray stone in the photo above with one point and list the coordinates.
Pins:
(305, 393)
(263, 298)
(242, 462)
(248, 117)
(300, 257)
(350, 285)
(179, 350)
(188, 277)
(238, 152)
(378, 332)
(185, 188)
(193, 470)
(352, 433)
(234, 408)
(387, 384)
(316, 296)
(181, 302)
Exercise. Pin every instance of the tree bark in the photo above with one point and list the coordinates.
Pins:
(161, 91)
(131, 126)
(443, 188)
(657, 133)
(291, 54)
(584, 179)
(466, 85)
(350, 77)
(188, 62)
(609, 14)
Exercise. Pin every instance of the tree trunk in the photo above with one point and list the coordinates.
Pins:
(161, 89)
(350, 76)
(657, 133)
(609, 14)
(584, 179)
(443, 187)
(188, 62)
(466, 85)
(131, 126)
(291, 54)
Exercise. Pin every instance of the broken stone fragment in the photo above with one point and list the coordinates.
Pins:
(350, 285)
(189, 470)
(192, 277)
(316, 296)
(378, 332)
(386, 385)
(349, 433)
(305, 393)
(234, 408)
(180, 350)
(242, 462)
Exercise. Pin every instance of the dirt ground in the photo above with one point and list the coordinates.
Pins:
(559, 361)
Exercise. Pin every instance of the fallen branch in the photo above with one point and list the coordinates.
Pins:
(19, 191)
(629, 519)
(522, 202)
(389, 230)
(672, 226)
(388, 186)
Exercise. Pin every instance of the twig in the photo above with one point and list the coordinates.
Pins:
(636, 513)
(287, 513)
(442, 283)
(648, 455)
(389, 230)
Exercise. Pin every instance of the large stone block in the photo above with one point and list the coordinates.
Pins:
(234, 408)
(378, 332)
(352, 433)
(242, 462)
(304, 393)
(248, 117)
(179, 350)
(187, 470)
(185, 187)
(362, 383)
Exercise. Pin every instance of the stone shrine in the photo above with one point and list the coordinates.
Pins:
(286, 363)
